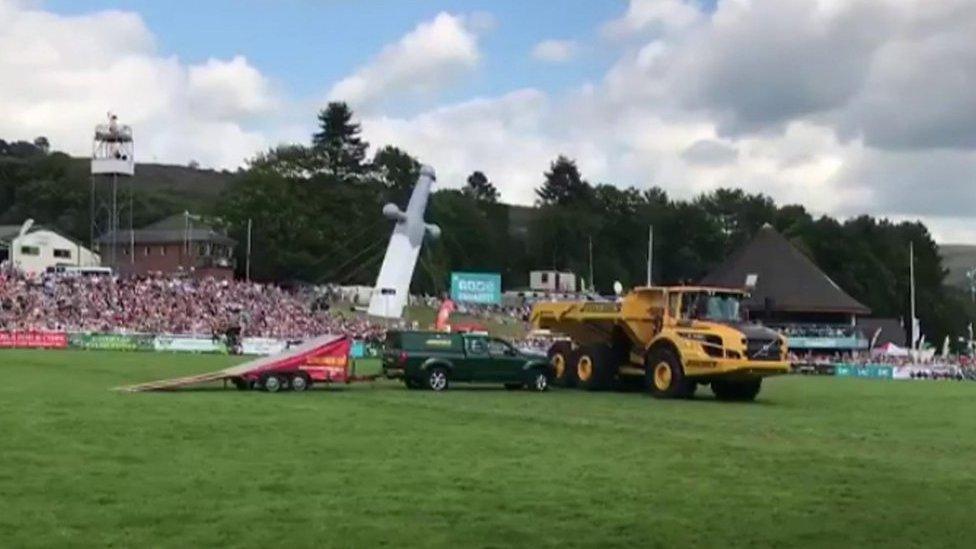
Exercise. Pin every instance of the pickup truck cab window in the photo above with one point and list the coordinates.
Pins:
(498, 347)
(476, 346)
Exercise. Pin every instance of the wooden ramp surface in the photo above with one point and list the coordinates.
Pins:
(293, 355)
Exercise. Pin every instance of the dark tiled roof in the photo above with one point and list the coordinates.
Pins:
(785, 275)
(175, 228)
(159, 236)
(8, 232)
(891, 330)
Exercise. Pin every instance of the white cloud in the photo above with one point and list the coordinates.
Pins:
(433, 54)
(66, 72)
(555, 51)
(653, 16)
(824, 103)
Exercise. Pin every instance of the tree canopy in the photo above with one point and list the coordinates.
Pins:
(316, 216)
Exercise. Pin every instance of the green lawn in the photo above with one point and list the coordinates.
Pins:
(816, 462)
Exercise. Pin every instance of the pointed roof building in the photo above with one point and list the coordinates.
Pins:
(787, 282)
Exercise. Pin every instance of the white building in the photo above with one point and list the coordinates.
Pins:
(552, 281)
(34, 249)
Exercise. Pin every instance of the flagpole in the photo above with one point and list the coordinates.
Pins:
(911, 277)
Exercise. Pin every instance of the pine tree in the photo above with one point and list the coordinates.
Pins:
(338, 140)
(480, 188)
(564, 185)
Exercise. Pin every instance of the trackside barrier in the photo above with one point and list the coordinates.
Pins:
(33, 339)
(111, 342)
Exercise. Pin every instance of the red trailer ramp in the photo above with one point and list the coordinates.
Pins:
(322, 359)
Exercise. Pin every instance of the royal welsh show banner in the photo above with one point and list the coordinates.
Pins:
(111, 342)
(186, 344)
(262, 346)
(33, 340)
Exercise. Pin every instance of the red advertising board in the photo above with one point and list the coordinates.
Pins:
(33, 340)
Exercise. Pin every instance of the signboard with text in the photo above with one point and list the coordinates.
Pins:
(483, 288)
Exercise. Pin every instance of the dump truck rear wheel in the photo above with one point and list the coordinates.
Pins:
(737, 391)
(561, 358)
(665, 376)
(595, 367)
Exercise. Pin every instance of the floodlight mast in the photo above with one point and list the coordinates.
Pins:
(113, 155)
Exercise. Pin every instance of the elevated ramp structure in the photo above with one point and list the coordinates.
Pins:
(324, 359)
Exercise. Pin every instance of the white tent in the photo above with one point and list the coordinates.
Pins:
(889, 349)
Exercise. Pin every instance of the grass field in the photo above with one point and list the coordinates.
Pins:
(816, 462)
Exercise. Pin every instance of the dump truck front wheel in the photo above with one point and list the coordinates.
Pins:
(562, 360)
(664, 375)
(738, 391)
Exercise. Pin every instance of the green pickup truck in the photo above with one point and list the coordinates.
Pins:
(433, 360)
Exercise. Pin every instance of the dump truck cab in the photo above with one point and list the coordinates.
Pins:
(673, 338)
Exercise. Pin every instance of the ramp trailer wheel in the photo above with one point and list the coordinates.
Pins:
(300, 382)
(273, 383)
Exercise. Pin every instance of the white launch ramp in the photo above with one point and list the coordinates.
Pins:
(393, 284)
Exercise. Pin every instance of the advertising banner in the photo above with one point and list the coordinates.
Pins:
(33, 340)
(851, 342)
(867, 371)
(188, 344)
(262, 346)
(111, 342)
(484, 288)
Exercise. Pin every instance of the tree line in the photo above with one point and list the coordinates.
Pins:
(315, 210)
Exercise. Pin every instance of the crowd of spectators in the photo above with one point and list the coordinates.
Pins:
(166, 304)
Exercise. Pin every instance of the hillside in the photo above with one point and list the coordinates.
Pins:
(958, 258)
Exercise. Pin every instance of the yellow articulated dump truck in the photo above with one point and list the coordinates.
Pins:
(670, 338)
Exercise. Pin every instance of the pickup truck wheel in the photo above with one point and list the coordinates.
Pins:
(437, 379)
(664, 375)
(539, 380)
(300, 382)
(595, 367)
(736, 391)
(561, 357)
(412, 383)
(273, 383)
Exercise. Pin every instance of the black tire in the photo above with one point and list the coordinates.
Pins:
(736, 391)
(538, 380)
(595, 367)
(273, 383)
(664, 375)
(562, 359)
(513, 386)
(437, 379)
(412, 383)
(300, 383)
(241, 384)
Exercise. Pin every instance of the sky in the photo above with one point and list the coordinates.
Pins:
(843, 106)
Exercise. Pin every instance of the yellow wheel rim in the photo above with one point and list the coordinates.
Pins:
(559, 365)
(662, 376)
(584, 368)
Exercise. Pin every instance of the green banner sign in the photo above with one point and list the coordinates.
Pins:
(111, 342)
